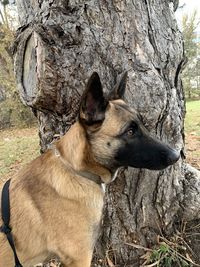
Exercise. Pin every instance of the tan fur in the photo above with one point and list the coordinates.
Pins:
(53, 209)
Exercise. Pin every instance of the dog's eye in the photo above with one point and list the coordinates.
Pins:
(132, 130)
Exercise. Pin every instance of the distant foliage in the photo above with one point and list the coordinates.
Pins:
(12, 111)
(191, 74)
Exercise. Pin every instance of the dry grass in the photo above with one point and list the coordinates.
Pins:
(17, 147)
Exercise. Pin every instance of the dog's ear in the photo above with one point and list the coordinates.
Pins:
(93, 103)
(119, 88)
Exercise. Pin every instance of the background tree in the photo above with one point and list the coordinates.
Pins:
(59, 44)
(11, 109)
(191, 43)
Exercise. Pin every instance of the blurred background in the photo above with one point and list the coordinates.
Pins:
(12, 112)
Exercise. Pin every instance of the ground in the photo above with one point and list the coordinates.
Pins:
(19, 146)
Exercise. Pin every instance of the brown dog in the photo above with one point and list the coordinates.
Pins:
(56, 201)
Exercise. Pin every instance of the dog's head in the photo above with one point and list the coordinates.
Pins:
(115, 132)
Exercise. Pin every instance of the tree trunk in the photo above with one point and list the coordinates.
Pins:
(59, 44)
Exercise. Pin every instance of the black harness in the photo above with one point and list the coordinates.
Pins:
(5, 214)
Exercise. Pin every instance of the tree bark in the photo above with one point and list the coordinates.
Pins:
(59, 44)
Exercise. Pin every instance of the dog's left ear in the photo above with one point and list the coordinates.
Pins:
(93, 103)
(119, 88)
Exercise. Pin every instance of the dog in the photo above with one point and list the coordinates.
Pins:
(56, 201)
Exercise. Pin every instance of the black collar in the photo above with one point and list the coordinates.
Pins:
(86, 174)
(90, 176)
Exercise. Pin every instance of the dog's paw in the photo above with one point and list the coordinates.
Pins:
(52, 263)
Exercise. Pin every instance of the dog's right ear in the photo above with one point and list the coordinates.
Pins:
(119, 88)
(93, 103)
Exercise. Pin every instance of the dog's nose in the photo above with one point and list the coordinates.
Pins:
(174, 156)
(170, 156)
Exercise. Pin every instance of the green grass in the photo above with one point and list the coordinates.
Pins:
(192, 120)
(192, 130)
(17, 147)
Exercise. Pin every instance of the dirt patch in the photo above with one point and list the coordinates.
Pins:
(192, 142)
(13, 132)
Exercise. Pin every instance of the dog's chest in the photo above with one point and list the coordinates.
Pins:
(81, 211)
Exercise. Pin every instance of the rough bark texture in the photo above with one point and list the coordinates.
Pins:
(59, 44)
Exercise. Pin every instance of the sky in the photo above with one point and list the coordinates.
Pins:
(189, 7)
